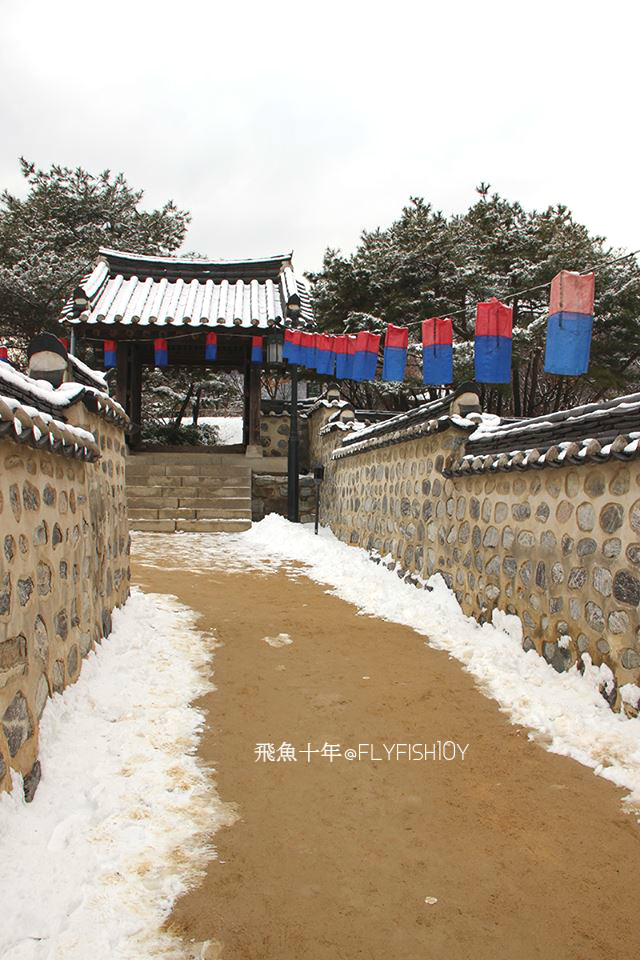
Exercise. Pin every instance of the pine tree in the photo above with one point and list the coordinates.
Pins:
(50, 238)
(426, 264)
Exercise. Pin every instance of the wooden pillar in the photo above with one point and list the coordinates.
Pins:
(122, 374)
(135, 400)
(254, 410)
(245, 408)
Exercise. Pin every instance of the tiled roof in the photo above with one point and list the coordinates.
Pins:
(591, 433)
(427, 413)
(364, 441)
(602, 421)
(26, 424)
(41, 395)
(129, 289)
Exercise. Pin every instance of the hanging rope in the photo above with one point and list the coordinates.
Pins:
(540, 286)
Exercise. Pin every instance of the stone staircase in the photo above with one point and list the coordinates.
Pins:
(198, 492)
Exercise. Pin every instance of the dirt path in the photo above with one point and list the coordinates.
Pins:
(528, 854)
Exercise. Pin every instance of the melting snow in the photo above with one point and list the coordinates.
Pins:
(118, 827)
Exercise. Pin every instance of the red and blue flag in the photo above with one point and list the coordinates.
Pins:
(344, 349)
(161, 352)
(437, 351)
(396, 342)
(256, 349)
(211, 346)
(365, 356)
(493, 342)
(306, 349)
(291, 351)
(324, 353)
(570, 324)
(110, 350)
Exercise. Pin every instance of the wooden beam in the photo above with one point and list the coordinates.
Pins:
(122, 374)
(254, 405)
(135, 395)
(245, 409)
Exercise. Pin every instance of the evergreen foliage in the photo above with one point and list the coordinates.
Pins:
(49, 239)
(426, 264)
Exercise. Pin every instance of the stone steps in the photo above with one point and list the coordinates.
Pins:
(187, 513)
(206, 487)
(194, 526)
(192, 503)
(207, 493)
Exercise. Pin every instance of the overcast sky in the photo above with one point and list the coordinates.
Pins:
(295, 125)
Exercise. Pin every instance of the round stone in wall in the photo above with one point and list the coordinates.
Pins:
(43, 576)
(542, 512)
(634, 516)
(618, 622)
(15, 501)
(501, 511)
(586, 516)
(40, 534)
(5, 594)
(594, 485)
(620, 483)
(577, 578)
(521, 511)
(572, 484)
(42, 694)
(25, 589)
(594, 615)
(9, 548)
(41, 639)
(626, 587)
(30, 496)
(586, 547)
(16, 723)
(612, 547)
(57, 676)
(564, 511)
(633, 553)
(611, 517)
(630, 659)
(602, 581)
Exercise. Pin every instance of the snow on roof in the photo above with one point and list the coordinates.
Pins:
(131, 289)
(95, 377)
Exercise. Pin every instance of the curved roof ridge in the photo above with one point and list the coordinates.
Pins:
(111, 252)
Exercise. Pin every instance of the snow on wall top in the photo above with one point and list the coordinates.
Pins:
(47, 399)
(27, 424)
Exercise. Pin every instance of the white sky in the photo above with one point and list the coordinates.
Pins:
(294, 125)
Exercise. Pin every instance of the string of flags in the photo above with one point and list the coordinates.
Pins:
(354, 356)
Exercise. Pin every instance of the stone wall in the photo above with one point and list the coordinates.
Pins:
(558, 547)
(64, 566)
(269, 495)
(274, 436)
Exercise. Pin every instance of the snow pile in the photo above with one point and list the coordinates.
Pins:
(118, 826)
(230, 428)
(566, 712)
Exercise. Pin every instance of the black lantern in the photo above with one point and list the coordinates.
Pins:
(275, 342)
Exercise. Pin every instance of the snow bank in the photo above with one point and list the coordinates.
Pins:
(230, 428)
(565, 712)
(118, 826)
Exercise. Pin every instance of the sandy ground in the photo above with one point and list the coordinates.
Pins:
(528, 854)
